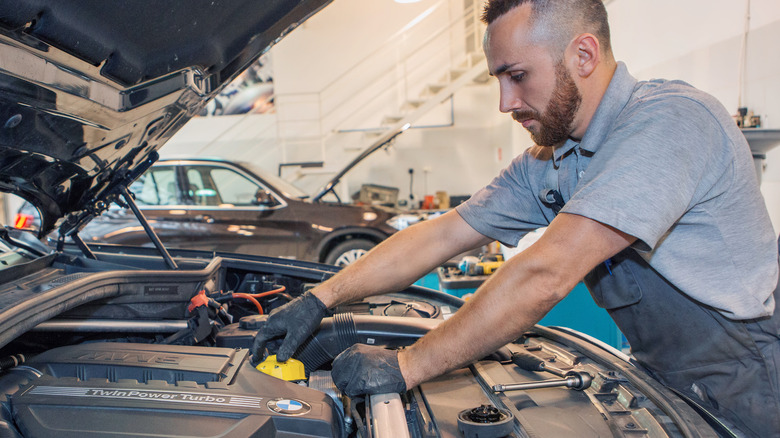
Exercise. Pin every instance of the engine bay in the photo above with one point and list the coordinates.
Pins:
(128, 389)
(125, 347)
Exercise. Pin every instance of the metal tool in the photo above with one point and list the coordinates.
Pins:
(578, 380)
(573, 379)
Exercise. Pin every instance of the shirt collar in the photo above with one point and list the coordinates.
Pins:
(618, 93)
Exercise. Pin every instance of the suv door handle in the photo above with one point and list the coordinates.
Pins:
(204, 218)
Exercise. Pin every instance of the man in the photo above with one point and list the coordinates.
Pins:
(650, 195)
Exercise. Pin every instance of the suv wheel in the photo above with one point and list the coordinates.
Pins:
(348, 251)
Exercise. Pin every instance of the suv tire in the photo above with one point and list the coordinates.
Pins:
(348, 251)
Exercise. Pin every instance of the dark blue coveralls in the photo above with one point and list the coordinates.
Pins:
(730, 367)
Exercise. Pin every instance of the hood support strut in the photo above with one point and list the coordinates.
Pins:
(128, 197)
(80, 243)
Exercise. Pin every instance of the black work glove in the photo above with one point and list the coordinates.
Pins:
(365, 369)
(296, 320)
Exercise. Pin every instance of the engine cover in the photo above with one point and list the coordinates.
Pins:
(122, 389)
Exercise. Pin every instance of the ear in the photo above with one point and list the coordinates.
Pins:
(586, 54)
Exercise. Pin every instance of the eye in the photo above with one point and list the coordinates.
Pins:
(517, 77)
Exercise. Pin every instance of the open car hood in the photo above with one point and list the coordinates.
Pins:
(91, 89)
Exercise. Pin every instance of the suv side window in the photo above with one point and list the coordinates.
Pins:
(234, 188)
(201, 190)
(157, 186)
(221, 186)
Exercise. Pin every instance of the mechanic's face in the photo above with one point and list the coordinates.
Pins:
(538, 91)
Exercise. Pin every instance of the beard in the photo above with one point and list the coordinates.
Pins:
(555, 123)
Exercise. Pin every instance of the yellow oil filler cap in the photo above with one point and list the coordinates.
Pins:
(291, 370)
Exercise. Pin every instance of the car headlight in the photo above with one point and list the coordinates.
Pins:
(401, 221)
(404, 220)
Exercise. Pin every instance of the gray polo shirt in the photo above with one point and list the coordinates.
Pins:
(665, 163)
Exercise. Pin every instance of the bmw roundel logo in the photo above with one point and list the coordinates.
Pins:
(286, 406)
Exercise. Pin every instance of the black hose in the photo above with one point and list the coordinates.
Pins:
(341, 331)
(176, 336)
(11, 361)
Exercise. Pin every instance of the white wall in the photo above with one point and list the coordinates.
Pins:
(344, 64)
(245, 137)
(700, 41)
(458, 159)
(336, 39)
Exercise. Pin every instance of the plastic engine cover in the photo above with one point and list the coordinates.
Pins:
(120, 389)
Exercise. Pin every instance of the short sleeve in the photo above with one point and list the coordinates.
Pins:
(507, 208)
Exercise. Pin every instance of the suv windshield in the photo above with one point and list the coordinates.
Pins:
(285, 187)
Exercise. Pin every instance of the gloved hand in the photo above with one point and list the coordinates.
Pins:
(365, 369)
(296, 320)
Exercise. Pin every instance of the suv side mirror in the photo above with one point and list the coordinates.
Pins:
(263, 197)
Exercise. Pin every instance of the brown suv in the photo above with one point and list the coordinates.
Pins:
(225, 206)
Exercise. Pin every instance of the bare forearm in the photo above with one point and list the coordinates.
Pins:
(400, 260)
(390, 266)
(509, 303)
(514, 298)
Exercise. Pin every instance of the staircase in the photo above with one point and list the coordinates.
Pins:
(385, 94)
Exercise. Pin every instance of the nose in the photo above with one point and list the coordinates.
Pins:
(510, 98)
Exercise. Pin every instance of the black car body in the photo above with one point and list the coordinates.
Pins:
(107, 340)
(217, 205)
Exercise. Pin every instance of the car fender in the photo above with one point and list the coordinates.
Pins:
(339, 235)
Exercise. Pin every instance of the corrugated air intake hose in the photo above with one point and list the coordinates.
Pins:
(342, 330)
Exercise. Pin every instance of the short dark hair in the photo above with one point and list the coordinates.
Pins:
(558, 20)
